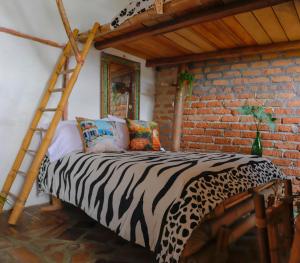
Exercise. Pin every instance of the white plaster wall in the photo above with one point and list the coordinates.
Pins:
(25, 67)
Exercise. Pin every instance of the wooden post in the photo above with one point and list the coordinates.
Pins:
(261, 228)
(30, 37)
(68, 29)
(274, 246)
(178, 113)
(295, 252)
(159, 6)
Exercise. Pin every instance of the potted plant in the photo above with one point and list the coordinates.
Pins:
(188, 78)
(260, 116)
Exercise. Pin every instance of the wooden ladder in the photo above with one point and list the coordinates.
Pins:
(32, 173)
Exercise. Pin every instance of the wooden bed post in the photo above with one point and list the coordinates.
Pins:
(295, 252)
(261, 228)
(289, 219)
(178, 113)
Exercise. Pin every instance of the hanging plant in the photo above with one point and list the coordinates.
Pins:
(186, 77)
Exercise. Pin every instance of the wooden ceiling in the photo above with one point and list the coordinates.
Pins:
(222, 26)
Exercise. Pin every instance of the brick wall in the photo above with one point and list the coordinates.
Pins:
(211, 120)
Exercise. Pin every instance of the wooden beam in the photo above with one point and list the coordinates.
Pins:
(30, 37)
(170, 8)
(225, 53)
(68, 29)
(192, 18)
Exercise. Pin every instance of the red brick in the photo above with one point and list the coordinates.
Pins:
(189, 124)
(239, 66)
(295, 69)
(214, 104)
(245, 150)
(196, 131)
(272, 136)
(219, 125)
(232, 133)
(291, 120)
(230, 118)
(224, 97)
(257, 80)
(220, 82)
(292, 137)
(198, 105)
(222, 141)
(275, 153)
(190, 111)
(214, 132)
(241, 141)
(294, 103)
(283, 62)
(267, 144)
(251, 72)
(292, 155)
(285, 95)
(285, 145)
(205, 111)
(281, 79)
(282, 162)
(249, 134)
(229, 148)
(259, 64)
(246, 96)
(233, 103)
(232, 73)
(272, 71)
(284, 128)
(291, 172)
(214, 75)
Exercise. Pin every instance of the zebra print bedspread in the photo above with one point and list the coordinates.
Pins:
(154, 199)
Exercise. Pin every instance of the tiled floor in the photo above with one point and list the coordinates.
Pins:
(70, 236)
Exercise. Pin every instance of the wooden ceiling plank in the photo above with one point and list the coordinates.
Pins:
(288, 17)
(269, 21)
(170, 44)
(250, 23)
(196, 39)
(181, 41)
(209, 36)
(236, 27)
(192, 18)
(135, 52)
(227, 53)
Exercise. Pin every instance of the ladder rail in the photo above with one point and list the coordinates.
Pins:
(34, 123)
(34, 169)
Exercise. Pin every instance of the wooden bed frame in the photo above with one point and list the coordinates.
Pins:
(236, 216)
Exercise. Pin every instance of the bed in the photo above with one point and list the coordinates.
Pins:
(155, 199)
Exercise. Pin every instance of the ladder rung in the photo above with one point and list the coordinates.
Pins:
(12, 195)
(49, 109)
(40, 130)
(31, 152)
(68, 71)
(57, 90)
(21, 173)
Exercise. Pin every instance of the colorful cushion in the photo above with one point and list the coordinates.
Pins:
(144, 135)
(98, 135)
(122, 129)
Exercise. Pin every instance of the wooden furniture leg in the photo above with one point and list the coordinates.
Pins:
(221, 254)
(55, 205)
(295, 252)
(261, 229)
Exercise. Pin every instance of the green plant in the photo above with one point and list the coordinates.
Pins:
(260, 116)
(186, 77)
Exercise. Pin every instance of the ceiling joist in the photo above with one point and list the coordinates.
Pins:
(228, 53)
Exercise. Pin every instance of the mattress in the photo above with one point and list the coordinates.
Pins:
(154, 199)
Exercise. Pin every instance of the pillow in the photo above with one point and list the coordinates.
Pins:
(65, 140)
(144, 135)
(122, 129)
(98, 135)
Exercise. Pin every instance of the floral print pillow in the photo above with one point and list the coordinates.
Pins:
(144, 135)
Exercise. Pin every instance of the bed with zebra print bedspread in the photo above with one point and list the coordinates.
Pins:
(154, 199)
